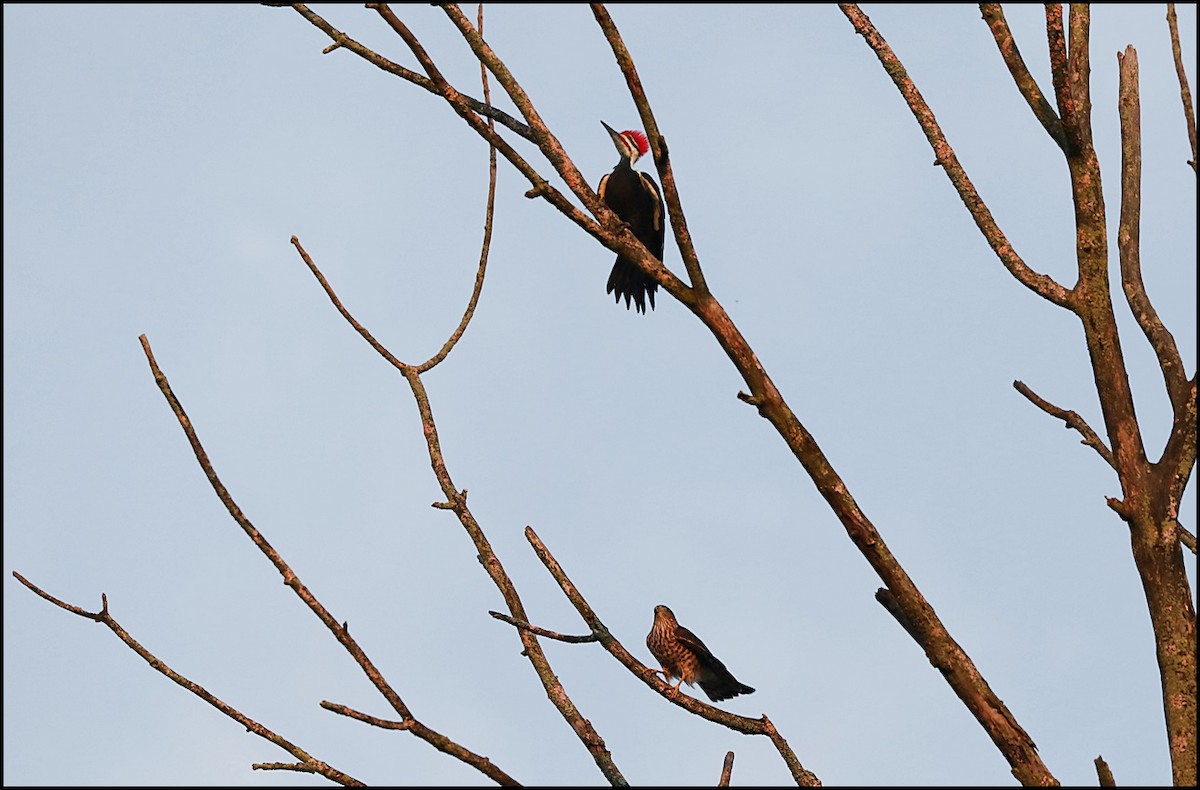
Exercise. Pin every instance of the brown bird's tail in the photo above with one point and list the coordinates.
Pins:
(726, 687)
(627, 280)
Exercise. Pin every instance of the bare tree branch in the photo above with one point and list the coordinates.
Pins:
(726, 770)
(468, 109)
(1181, 395)
(1185, 93)
(1079, 73)
(303, 768)
(1179, 457)
(310, 764)
(993, 14)
(1040, 284)
(1129, 234)
(1072, 419)
(1103, 773)
(1057, 44)
(340, 39)
(610, 230)
(1150, 491)
(491, 563)
(375, 344)
(649, 676)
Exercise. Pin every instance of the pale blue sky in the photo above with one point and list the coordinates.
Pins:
(158, 158)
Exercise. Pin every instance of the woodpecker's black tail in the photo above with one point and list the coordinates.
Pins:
(627, 280)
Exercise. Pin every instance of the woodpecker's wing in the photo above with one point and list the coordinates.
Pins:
(658, 226)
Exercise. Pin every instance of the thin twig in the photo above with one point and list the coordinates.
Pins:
(1072, 420)
(524, 626)
(489, 213)
(469, 109)
(1186, 537)
(303, 768)
(374, 721)
(333, 297)
(103, 616)
(1185, 93)
(340, 39)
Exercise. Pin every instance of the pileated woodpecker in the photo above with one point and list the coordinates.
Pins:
(634, 197)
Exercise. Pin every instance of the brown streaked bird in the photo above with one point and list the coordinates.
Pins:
(684, 656)
(634, 197)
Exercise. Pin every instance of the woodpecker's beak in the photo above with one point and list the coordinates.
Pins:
(614, 134)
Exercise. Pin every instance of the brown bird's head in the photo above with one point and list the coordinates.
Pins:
(663, 613)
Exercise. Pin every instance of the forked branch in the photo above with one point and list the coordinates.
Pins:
(658, 146)
(340, 39)
(993, 14)
(1040, 284)
(308, 763)
(1129, 235)
(339, 630)
(615, 234)
(456, 501)
(546, 632)
(607, 228)
(489, 215)
(1151, 492)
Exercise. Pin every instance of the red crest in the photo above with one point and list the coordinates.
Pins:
(642, 143)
